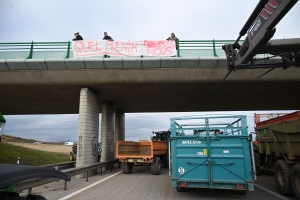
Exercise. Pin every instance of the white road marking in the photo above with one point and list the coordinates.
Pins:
(87, 187)
(273, 193)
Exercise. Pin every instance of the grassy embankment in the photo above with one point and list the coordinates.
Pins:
(10, 153)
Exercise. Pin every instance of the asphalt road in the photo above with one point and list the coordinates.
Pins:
(141, 184)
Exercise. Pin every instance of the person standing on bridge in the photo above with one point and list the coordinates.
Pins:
(106, 37)
(173, 37)
(77, 37)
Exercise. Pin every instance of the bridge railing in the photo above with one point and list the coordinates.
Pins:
(201, 47)
(27, 50)
(30, 50)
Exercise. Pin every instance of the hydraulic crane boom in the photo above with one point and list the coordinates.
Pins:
(260, 28)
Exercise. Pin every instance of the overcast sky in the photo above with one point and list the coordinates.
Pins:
(124, 20)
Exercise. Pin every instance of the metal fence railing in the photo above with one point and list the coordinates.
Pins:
(30, 50)
(32, 47)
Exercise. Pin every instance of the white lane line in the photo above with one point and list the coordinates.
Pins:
(87, 187)
(273, 193)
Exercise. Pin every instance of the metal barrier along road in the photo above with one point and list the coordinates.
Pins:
(72, 172)
(40, 50)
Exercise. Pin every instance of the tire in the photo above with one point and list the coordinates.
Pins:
(180, 189)
(156, 166)
(282, 175)
(165, 160)
(241, 192)
(257, 163)
(127, 167)
(295, 180)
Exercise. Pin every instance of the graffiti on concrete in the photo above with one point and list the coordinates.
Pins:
(80, 146)
(95, 147)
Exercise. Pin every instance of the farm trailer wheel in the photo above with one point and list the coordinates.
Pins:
(156, 166)
(295, 180)
(127, 167)
(282, 175)
(165, 160)
(257, 163)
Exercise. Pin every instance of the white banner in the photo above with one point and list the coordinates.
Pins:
(91, 48)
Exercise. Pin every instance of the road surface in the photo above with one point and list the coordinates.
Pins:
(141, 184)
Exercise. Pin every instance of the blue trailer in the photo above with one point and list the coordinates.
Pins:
(211, 152)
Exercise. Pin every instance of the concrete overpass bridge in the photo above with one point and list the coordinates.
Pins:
(43, 78)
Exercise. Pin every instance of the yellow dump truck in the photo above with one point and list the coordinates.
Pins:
(144, 152)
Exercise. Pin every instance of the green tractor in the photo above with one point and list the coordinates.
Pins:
(2, 123)
(73, 153)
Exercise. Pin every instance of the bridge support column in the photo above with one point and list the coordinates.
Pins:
(107, 132)
(119, 126)
(88, 130)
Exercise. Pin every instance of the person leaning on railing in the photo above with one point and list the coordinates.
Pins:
(173, 37)
(77, 37)
(106, 37)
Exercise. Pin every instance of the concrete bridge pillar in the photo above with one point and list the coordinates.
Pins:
(119, 126)
(88, 130)
(107, 132)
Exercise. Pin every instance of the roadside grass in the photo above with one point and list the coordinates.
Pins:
(8, 138)
(10, 153)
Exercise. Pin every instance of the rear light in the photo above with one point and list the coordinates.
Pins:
(183, 184)
(239, 186)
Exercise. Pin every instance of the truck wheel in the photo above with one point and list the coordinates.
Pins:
(282, 175)
(257, 162)
(127, 167)
(156, 166)
(295, 179)
(241, 192)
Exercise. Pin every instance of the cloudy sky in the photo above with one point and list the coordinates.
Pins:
(57, 20)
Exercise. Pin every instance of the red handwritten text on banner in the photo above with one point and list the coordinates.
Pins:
(117, 48)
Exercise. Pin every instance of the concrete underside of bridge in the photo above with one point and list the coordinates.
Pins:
(149, 90)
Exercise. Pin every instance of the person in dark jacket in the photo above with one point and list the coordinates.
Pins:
(173, 37)
(106, 37)
(77, 37)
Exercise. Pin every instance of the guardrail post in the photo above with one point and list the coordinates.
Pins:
(214, 48)
(31, 51)
(68, 52)
(177, 48)
(65, 186)
(29, 190)
(87, 176)
(101, 171)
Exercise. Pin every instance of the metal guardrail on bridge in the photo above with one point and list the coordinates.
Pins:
(34, 50)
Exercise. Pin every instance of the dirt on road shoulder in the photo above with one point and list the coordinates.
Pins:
(57, 148)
